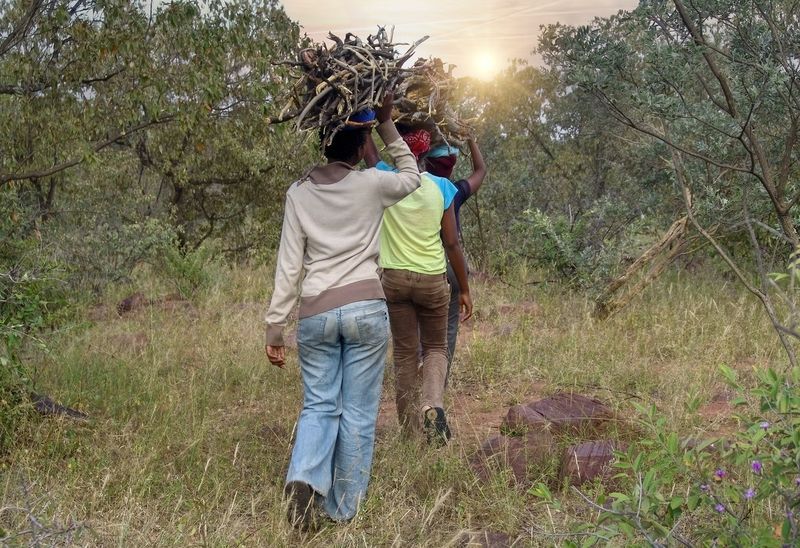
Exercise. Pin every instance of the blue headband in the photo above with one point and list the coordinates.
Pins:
(441, 151)
(361, 119)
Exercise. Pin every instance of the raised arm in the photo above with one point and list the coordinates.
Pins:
(371, 156)
(475, 180)
(394, 185)
(457, 260)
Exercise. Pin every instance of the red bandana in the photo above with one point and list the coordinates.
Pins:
(419, 141)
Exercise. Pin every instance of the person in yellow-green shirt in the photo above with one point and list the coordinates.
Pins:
(418, 237)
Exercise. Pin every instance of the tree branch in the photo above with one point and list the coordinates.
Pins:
(698, 38)
(22, 27)
(97, 147)
(633, 124)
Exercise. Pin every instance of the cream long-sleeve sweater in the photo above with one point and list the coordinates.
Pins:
(329, 239)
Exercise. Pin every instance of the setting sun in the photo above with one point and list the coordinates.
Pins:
(485, 65)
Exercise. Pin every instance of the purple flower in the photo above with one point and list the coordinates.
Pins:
(705, 488)
(720, 508)
(720, 473)
(764, 425)
(797, 481)
(750, 493)
(757, 467)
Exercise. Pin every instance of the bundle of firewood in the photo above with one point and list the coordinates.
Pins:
(332, 84)
(425, 100)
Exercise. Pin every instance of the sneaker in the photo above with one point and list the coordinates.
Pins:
(435, 425)
(300, 512)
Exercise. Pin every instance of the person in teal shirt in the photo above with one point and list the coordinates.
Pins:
(418, 237)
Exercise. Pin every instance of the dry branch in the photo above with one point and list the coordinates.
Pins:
(332, 84)
(426, 101)
(658, 257)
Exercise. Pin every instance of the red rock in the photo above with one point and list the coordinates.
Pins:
(132, 302)
(589, 460)
(562, 412)
(519, 454)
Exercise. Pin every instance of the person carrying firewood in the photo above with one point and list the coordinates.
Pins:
(329, 252)
(418, 235)
(440, 161)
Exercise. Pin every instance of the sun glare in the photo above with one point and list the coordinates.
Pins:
(485, 65)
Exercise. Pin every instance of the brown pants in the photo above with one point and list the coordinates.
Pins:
(418, 306)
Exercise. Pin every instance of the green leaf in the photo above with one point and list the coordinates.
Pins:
(673, 442)
(729, 374)
(541, 491)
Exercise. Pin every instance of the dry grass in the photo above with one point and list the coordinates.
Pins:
(191, 428)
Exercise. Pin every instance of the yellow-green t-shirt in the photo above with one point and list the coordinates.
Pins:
(410, 231)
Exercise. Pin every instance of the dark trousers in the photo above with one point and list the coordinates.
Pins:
(452, 318)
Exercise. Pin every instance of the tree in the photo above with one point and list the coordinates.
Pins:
(716, 84)
(569, 188)
(117, 115)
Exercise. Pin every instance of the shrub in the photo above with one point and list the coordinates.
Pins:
(739, 491)
(584, 252)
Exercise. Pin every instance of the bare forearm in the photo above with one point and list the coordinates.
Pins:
(371, 156)
(475, 180)
(456, 257)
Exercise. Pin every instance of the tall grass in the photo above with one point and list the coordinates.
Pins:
(191, 427)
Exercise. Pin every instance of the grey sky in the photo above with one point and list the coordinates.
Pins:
(477, 35)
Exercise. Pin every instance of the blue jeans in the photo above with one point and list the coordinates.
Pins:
(342, 356)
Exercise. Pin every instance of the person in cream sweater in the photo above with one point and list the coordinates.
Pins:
(328, 258)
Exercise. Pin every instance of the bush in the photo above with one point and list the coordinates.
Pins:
(740, 491)
(26, 300)
(29, 294)
(189, 271)
(585, 252)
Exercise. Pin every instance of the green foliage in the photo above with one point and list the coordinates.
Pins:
(189, 272)
(699, 80)
(585, 252)
(567, 188)
(740, 491)
(14, 383)
(29, 293)
(132, 133)
(123, 127)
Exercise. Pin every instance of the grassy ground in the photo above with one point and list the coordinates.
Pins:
(190, 428)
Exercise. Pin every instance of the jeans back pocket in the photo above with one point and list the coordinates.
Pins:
(311, 329)
(373, 327)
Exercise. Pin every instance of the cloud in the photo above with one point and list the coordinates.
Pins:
(458, 30)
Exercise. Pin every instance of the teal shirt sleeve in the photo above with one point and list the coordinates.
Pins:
(383, 166)
(447, 189)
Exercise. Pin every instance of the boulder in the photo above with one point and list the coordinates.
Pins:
(132, 302)
(519, 454)
(45, 405)
(560, 413)
(589, 460)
